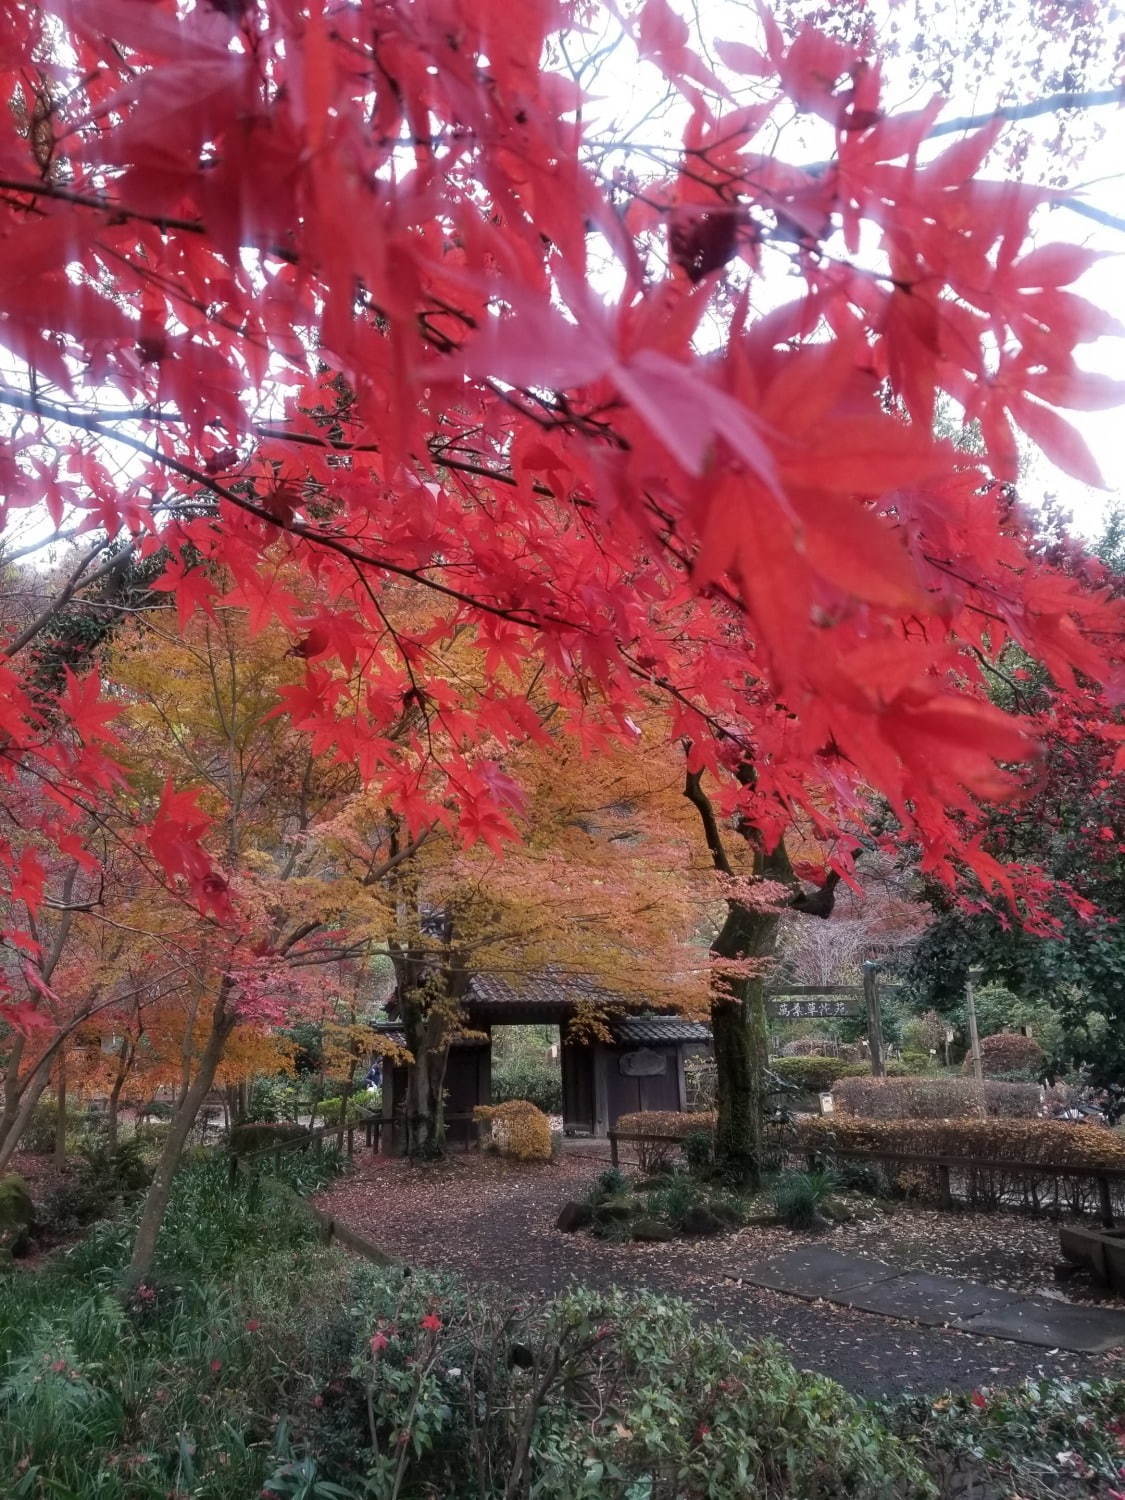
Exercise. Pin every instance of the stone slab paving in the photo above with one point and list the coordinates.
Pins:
(817, 1272)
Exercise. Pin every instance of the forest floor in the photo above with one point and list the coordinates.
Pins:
(493, 1221)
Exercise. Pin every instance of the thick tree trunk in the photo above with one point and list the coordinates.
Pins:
(741, 1032)
(12, 1090)
(191, 1099)
(29, 1096)
(425, 1093)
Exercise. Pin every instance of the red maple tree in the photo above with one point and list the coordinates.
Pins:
(359, 293)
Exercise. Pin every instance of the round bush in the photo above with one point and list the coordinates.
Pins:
(1008, 1053)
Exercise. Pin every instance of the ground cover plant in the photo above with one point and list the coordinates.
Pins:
(254, 1361)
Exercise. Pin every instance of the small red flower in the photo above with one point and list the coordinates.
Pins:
(252, 1325)
(701, 1432)
(403, 1437)
(379, 1342)
(59, 1366)
(216, 1366)
(318, 1401)
(978, 1400)
(431, 1323)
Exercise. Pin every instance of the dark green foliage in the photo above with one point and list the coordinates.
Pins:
(272, 1100)
(106, 1175)
(798, 1197)
(817, 1073)
(537, 1080)
(16, 1215)
(699, 1153)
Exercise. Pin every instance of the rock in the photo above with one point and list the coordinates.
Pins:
(701, 1220)
(573, 1216)
(613, 1211)
(653, 1229)
(16, 1215)
(728, 1214)
(837, 1211)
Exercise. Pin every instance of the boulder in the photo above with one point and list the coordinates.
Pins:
(702, 1220)
(613, 1211)
(654, 1230)
(16, 1215)
(573, 1216)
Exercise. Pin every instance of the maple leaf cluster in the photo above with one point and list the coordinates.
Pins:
(306, 304)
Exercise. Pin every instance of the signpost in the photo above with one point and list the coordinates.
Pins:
(828, 1002)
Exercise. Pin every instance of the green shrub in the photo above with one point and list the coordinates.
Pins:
(537, 1081)
(799, 1196)
(38, 1136)
(699, 1152)
(272, 1099)
(17, 1215)
(246, 1139)
(816, 1074)
(363, 1102)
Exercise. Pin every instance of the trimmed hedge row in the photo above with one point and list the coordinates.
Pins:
(1054, 1165)
(936, 1099)
(1052, 1144)
(665, 1125)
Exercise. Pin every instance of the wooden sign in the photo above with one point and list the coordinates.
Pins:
(828, 1008)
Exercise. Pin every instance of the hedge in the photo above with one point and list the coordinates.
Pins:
(1060, 1162)
(935, 1099)
(816, 1074)
(259, 1136)
(665, 1125)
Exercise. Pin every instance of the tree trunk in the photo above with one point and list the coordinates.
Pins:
(60, 1114)
(156, 1202)
(741, 1032)
(124, 1062)
(425, 1095)
(12, 1090)
(29, 1096)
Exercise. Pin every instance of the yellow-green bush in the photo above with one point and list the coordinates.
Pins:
(518, 1129)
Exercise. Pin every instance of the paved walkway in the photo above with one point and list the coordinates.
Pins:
(819, 1273)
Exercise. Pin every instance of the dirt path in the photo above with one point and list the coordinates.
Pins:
(493, 1222)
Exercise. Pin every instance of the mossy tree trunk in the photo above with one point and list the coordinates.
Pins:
(739, 1018)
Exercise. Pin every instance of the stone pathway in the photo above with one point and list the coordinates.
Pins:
(816, 1272)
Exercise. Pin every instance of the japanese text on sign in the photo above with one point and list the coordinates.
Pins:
(804, 1010)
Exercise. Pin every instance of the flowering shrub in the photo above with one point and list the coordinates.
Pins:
(517, 1129)
(1008, 1052)
(935, 1098)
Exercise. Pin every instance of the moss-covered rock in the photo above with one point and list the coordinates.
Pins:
(17, 1215)
(653, 1230)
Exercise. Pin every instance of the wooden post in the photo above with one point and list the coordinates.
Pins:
(946, 1190)
(874, 1020)
(1106, 1202)
(613, 1147)
(972, 978)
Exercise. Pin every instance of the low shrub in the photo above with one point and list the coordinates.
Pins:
(362, 1102)
(924, 1033)
(1056, 1160)
(537, 1081)
(816, 1074)
(822, 1046)
(1008, 1053)
(245, 1139)
(665, 1124)
(16, 1215)
(38, 1136)
(799, 1196)
(518, 1129)
(935, 1098)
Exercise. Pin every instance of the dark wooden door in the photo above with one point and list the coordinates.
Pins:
(578, 1089)
(628, 1092)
